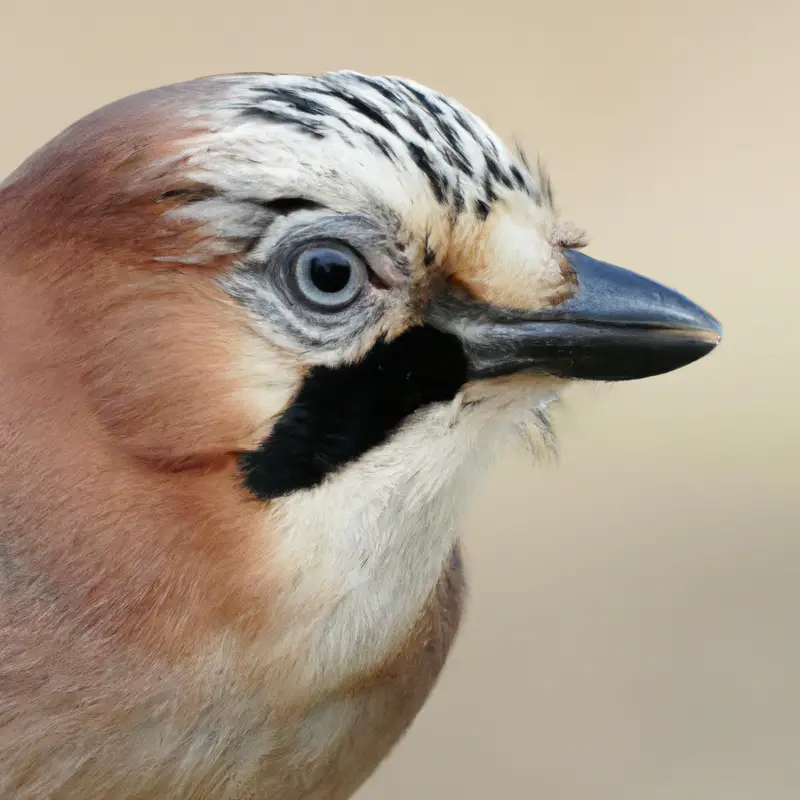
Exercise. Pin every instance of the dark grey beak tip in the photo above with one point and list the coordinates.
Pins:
(641, 328)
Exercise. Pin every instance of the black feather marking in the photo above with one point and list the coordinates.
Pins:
(418, 126)
(488, 188)
(401, 104)
(493, 148)
(461, 118)
(456, 560)
(458, 161)
(447, 132)
(545, 185)
(190, 194)
(382, 145)
(436, 180)
(340, 414)
(288, 205)
(499, 175)
(421, 98)
(271, 115)
(481, 208)
(298, 101)
(429, 255)
(277, 207)
(458, 200)
(364, 107)
(523, 157)
(388, 92)
(377, 85)
(519, 178)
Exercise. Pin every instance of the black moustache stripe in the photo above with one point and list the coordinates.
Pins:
(340, 414)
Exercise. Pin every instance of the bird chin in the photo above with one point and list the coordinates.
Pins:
(522, 404)
(514, 392)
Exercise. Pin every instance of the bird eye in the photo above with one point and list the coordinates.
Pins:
(330, 276)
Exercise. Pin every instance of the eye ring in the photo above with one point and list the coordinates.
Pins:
(328, 276)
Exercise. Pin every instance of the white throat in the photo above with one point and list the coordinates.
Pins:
(366, 549)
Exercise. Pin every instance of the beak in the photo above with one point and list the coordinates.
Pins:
(618, 326)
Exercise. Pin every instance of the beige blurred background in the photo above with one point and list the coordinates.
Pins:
(634, 627)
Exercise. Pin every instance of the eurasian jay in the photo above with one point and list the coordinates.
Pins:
(258, 335)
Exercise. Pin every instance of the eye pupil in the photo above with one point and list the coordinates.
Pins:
(329, 270)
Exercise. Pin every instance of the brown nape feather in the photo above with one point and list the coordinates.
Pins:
(137, 604)
(111, 360)
(86, 243)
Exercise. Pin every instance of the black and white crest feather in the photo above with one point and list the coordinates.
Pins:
(467, 167)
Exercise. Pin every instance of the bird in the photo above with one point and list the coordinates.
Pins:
(260, 335)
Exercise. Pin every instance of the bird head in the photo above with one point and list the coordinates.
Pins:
(333, 293)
